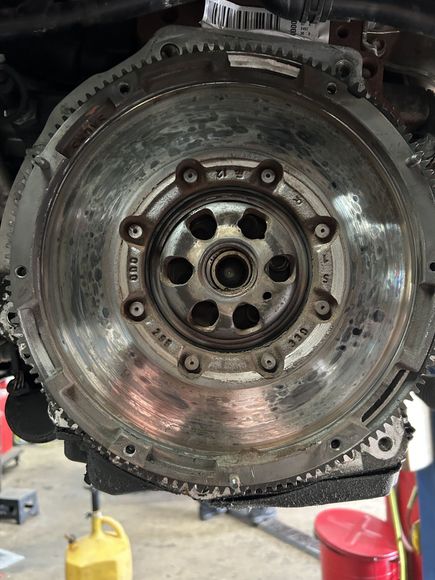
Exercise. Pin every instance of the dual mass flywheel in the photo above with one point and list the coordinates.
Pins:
(222, 265)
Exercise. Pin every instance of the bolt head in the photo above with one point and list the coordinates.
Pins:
(135, 231)
(415, 159)
(322, 307)
(190, 175)
(322, 231)
(136, 309)
(41, 162)
(268, 362)
(234, 481)
(268, 176)
(191, 363)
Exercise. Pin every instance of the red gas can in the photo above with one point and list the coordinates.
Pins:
(356, 546)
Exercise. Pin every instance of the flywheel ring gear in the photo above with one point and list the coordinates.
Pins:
(396, 260)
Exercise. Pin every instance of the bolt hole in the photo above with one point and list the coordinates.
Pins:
(21, 271)
(432, 266)
(190, 175)
(323, 232)
(136, 310)
(268, 176)
(135, 231)
(192, 364)
(179, 270)
(331, 89)
(169, 50)
(269, 363)
(124, 88)
(246, 316)
(203, 227)
(380, 45)
(267, 296)
(385, 444)
(342, 32)
(205, 314)
(323, 309)
(370, 69)
(253, 226)
(343, 70)
(335, 444)
(232, 271)
(130, 450)
(280, 268)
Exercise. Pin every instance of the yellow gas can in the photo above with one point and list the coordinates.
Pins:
(103, 555)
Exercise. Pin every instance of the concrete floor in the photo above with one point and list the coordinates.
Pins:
(168, 540)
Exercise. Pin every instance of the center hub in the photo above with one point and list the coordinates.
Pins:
(231, 270)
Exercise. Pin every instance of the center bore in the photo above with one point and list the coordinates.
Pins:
(232, 271)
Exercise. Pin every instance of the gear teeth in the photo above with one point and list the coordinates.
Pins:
(427, 160)
(129, 66)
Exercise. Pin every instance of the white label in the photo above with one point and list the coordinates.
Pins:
(227, 15)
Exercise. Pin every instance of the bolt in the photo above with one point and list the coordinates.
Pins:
(191, 363)
(190, 175)
(136, 309)
(378, 44)
(268, 362)
(135, 231)
(322, 307)
(415, 159)
(268, 176)
(344, 68)
(42, 163)
(322, 231)
(234, 481)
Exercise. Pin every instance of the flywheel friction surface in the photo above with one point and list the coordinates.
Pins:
(221, 264)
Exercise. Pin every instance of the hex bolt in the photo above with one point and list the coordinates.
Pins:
(268, 176)
(190, 175)
(135, 231)
(136, 309)
(191, 363)
(322, 307)
(322, 231)
(268, 362)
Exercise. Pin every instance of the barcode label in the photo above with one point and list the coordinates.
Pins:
(227, 15)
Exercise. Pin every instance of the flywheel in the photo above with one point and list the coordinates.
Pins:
(222, 265)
